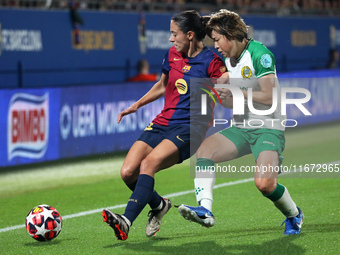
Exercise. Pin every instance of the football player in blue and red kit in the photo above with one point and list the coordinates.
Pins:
(167, 140)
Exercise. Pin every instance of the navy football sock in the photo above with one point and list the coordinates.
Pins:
(155, 199)
(140, 197)
(132, 186)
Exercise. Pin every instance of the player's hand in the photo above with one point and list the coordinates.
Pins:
(226, 97)
(223, 93)
(127, 111)
(224, 79)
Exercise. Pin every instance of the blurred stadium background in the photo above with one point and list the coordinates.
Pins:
(64, 66)
(274, 7)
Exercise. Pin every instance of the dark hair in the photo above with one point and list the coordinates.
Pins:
(191, 21)
(141, 64)
(229, 24)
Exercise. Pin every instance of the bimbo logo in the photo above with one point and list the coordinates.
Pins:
(27, 133)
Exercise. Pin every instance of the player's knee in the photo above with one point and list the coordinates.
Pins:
(203, 152)
(148, 165)
(265, 185)
(128, 173)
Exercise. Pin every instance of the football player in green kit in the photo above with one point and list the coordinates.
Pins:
(250, 65)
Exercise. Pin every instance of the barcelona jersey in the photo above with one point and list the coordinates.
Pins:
(180, 69)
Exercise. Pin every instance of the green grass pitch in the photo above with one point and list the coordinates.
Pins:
(246, 222)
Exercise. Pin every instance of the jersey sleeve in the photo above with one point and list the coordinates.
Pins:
(165, 64)
(216, 67)
(264, 62)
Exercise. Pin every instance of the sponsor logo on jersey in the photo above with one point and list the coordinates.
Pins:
(186, 69)
(223, 69)
(266, 60)
(246, 72)
(176, 59)
(28, 119)
(181, 86)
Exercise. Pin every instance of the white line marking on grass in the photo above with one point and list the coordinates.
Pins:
(176, 194)
(12, 228)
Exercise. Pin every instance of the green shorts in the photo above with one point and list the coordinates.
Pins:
(256, 140)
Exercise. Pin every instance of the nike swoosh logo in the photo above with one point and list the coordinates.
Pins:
(179, 138)
(176, 59)
(299, 225)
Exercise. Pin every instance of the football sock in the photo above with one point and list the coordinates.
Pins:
(160, 205)
(204, 182)
(155, 201)
(140, 197)
(282, 200)
(206, 203)
(126, 220)
(132, 186)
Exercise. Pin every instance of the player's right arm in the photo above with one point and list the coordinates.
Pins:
(153, 94)
(226, 97)
(224, 93)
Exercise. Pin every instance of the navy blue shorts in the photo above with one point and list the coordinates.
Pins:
(180, 135)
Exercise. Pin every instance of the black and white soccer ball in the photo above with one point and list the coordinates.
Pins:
(43, 223)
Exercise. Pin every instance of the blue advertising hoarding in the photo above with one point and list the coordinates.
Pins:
(49, 124)
(39, 49)
(29, 128)
(88, 121)
(324, 105)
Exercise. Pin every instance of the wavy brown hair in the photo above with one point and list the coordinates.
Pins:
(227, 23)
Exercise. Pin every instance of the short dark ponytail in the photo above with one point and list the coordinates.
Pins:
(191, 21)
(205, 20)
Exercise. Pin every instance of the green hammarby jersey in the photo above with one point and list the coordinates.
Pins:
(255, 62)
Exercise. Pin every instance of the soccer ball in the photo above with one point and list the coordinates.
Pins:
(43, 223)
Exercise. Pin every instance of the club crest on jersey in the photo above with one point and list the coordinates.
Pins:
(186, 69)
(266, 60)
(246, 72)
(181, 86)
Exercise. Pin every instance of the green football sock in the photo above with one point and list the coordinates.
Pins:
(282, 200)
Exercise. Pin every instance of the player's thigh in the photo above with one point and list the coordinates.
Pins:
(131, 165)
(164, 155)
(266, 141)
(218, 148)
(147, 141)
(267, 164)
(267, 152)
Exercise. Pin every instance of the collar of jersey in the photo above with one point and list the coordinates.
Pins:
(204, 48)
(245, 49)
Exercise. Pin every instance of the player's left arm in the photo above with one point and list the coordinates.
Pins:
(157, 91)
(265, 95)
